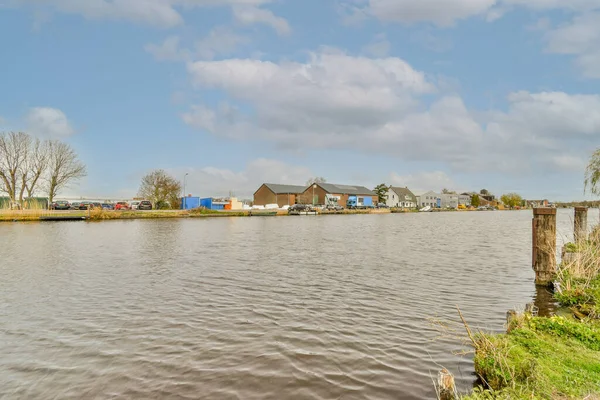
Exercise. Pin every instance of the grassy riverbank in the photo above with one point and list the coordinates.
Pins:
(549, 358)
(103, 215)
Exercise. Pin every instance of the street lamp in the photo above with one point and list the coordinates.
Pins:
(184, 196)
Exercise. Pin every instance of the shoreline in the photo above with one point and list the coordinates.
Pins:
(103, 215)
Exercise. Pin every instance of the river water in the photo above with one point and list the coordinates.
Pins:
(332, 307)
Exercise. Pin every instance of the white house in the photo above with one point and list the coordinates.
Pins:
(401, 197)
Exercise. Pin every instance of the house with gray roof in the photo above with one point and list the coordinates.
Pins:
(401, 197)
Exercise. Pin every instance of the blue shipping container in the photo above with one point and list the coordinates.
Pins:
(368, 201)
(206, 203)
(188, 203)
(209, 204)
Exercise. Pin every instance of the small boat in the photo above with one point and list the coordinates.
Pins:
(425, 209)
(303, 213)
(254, 213)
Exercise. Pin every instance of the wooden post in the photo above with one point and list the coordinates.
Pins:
(580, 231)
(446, 386)
(544, 245)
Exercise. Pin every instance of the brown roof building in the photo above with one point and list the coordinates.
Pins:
(282, 195)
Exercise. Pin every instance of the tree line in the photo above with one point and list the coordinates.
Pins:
(31, 167)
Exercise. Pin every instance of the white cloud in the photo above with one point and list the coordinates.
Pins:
(220, 41)
(379, 46)
(423, 181)
(431, 41)
(445, 13)
(351, 12)
(162, 13)
(352, 81)
(48, 122)
(550, 115)
(168, 50)
(571, 5)
(539, 129)
(213, 181)
(155, 12)
(331, 101)
(568, 162)
(441, 12)
(335, 101)
(250, 15)
(580, 37)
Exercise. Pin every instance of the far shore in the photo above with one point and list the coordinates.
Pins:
(103, 215)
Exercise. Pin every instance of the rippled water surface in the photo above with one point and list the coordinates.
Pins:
(330, 307)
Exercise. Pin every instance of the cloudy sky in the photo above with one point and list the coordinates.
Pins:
(430, 94)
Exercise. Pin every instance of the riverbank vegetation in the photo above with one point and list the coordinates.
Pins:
(162, 189)
(554, 357)
(41, 213)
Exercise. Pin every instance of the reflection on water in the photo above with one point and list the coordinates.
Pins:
(256, 308)
(545, 303)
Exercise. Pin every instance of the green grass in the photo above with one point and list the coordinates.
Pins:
(103, 215)
(550, 358)
(541, 358)
(583, 296)
(100, 214)
(571, 248)
(202, 212)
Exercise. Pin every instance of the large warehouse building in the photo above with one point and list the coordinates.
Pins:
(282, 195)
(319, 193)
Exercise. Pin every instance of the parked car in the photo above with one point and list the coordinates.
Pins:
(96, 205)
(75, 205)
(301, 208)
(108, 206)
(336, 207)
(382, 205)
(135, 205)
(60, 205)
(144, 205)
(85, 205)
(122, 205)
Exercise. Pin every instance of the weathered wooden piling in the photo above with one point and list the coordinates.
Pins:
(580, 231)
(446, 387)
(544, 245)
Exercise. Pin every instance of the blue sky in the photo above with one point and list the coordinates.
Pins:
(430, 94)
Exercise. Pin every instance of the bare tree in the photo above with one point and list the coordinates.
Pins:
(316, 179)
(34, 167)
(14, 149)
(64, 167)
(160, 188)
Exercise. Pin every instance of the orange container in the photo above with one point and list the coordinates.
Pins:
(227, 206)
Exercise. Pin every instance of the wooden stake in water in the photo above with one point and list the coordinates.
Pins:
(580, 231)
(544, 245)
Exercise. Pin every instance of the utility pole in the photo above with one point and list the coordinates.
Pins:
(184, 195)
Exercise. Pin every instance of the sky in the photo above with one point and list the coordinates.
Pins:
(429, 94)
